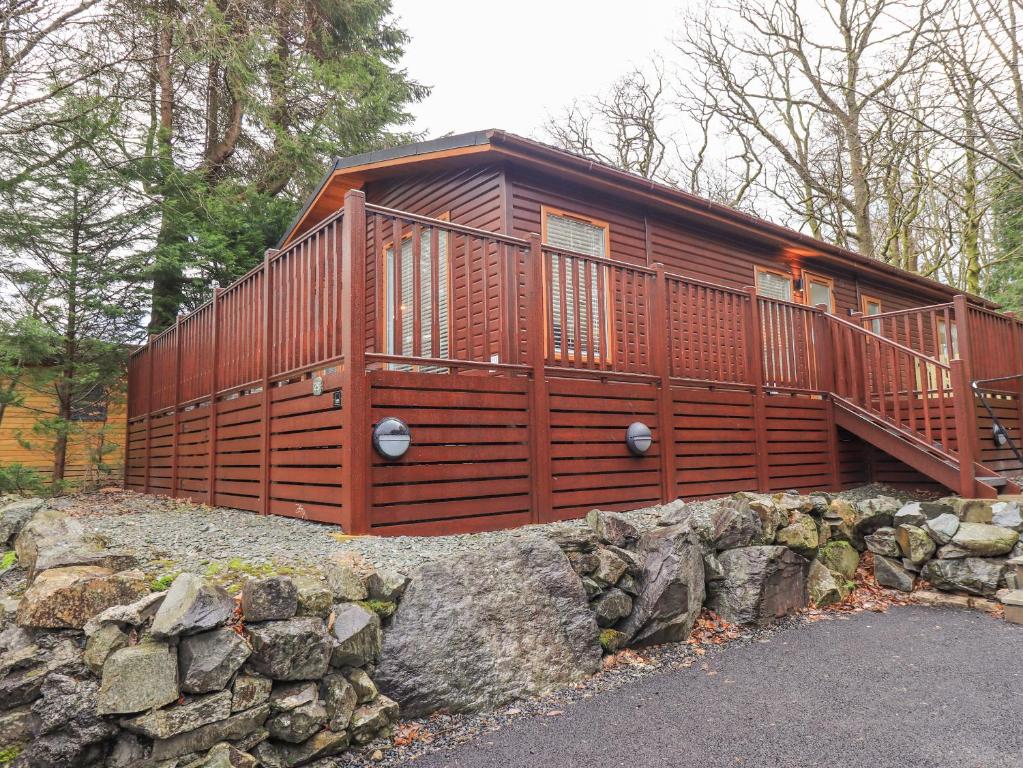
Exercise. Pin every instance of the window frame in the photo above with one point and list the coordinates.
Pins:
(545, 212)
(759, 270)
(814, 277)
(387, 328)
(865, 301)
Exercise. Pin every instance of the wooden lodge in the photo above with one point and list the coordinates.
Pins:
(519, 308)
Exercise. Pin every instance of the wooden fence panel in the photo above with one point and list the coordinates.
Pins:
(239, 452)
(797, 443)
(193, 453)
(707, 337)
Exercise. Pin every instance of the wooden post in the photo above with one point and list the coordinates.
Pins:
(660, 356)
(539, 401)
(211, 430)
(966, 426)
(149, 410)
(826, 367)
(177, 408)
(755, 364)
(264, 422)
(355, 406)
(966, 420)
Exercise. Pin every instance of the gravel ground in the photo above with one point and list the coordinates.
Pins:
(172, 535)
(904, 689)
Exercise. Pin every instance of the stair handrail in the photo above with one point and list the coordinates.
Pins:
(978, 390)
(890, 342)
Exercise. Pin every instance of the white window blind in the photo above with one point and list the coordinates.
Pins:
(820, 293)
(774, 286)
(580, 277)
(402, 300)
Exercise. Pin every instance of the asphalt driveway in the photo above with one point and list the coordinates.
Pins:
(913, 687)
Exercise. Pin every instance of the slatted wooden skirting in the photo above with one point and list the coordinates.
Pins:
(519, 397)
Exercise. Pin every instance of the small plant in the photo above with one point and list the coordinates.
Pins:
(8, 560)
(17, 478)
(382, 608)
(162, 583)
(9, 754)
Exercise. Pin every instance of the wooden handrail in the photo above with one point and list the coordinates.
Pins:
(415, 218)
(887, 341)
(910, 311)
(602, 260)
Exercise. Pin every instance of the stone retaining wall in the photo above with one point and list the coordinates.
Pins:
(100, 668)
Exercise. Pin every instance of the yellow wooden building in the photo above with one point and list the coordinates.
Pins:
(95, 454)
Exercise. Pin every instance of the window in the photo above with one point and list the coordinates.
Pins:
(871, 306)
(948, 343)
(402, 304)
(819, 290)
(774, 284)
(582, 283)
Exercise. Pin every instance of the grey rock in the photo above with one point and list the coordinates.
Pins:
(365, 688)
(883, 542)
(822, 585)
(192, 605)
(971, 510)
(633, 564)
(17, 725)
(369, 719)
(761, 584)
(69, 730)
(344, 581)
(357, 636)
(128, 751)
(985, 540)
(320, 745)
(24, 670)
(297, 649)
(890, 573)
(274, 598)
(134, 614)
(340, 699)
(224, 755)
(235, 727)
(941, 528)
(102, 643)
(477, 630)
(610, 567)
(296, 725)
(911, 565)
(13, 517)
(975, 575)
(207, 661)
(574, 539)
(673, 513)
(672, 587)
(951, 552)
(915, 543)
(69, 597)
(52, 533)
(164, 723)
(250, 691)
(724, 526)
(386, 585)
(314, 597)
(872, 514)
(772, 516)
(611, 607)
(801, 534)
(137, 678)
(583, 563)
(287, 696)
(629, 584)
(612, 528)
(910, 514)
(840, 557)
(1007, 515)
(932, 509)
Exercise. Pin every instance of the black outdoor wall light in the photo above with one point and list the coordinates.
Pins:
(391, 438)
(639, 438)
(1001, 439)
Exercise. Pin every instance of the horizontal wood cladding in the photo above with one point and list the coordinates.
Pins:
(468, 467)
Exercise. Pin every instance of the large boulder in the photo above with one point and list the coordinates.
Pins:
(192, 605)
(974, 575)
(51, 539)
(671, 587)
(207, 661)
(69, 732)
(69, 597)
(890, 573)
(985, 540)
(137, 678)
(24, 670)
(296, 649)
(760, 584)
(477, 630)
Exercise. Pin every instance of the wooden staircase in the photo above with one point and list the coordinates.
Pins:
(911, 406)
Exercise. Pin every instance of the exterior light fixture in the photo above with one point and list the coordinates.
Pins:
(638, 438)
(391, 438)
(1001, 439)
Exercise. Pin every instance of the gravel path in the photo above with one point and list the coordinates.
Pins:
(913, 687)
(174, 535)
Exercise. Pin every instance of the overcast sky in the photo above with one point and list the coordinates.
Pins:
(506, 65)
